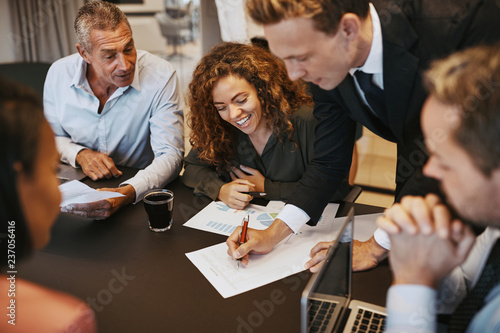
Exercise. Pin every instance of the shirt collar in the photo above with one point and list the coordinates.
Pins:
(373, 64)
(80, 78)
(136, 83)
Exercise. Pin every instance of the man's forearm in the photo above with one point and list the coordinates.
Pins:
(278, 231)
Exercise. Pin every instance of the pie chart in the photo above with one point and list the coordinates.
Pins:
(266, 219)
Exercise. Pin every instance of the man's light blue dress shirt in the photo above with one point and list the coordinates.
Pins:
(140, 125)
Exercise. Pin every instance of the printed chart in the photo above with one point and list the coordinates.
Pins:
(218, 218)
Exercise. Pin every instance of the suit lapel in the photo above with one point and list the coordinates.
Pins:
(400, 69)
(349, 94)
(400, 73)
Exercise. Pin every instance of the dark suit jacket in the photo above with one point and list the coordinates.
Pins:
(415, 32)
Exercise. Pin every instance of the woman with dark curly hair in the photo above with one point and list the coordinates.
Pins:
(252, 128)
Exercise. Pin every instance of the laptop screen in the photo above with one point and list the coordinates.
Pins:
(333, 281)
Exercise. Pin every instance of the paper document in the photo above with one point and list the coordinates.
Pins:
(77, 192)
(218, 218)
(287, 258)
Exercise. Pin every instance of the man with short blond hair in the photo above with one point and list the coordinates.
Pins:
(364, 60)
(461, 125)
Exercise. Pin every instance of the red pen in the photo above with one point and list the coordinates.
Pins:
(244, 227)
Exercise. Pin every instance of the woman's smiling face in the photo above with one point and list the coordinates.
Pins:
(237, 102)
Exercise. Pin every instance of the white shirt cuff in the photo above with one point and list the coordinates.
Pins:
(411, 308)
(382, 238)
(68, 150)
(294, 217)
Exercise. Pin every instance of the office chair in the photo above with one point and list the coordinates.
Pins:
(176, 27)
(31, 74)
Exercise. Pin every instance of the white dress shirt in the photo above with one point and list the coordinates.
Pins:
(374, 62)
(140, 125)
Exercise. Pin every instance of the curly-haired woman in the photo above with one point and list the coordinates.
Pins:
(252, 128)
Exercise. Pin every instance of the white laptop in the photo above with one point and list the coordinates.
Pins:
(326, 304)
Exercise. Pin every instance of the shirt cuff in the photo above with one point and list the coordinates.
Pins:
(70, 156)
(411, 308)
(382, 238)
(294, 217)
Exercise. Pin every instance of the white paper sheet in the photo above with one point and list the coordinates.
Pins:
(77, 192)
(218, 218)
(287, 258)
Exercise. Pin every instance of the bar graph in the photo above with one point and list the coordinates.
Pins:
(221, 227)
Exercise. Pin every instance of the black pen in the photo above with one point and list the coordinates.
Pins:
(257, 194)
(244, 227)
(62, 180)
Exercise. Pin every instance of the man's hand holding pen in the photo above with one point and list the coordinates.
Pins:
(257, 241)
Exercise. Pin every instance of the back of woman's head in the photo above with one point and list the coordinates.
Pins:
(21, 116)
(278, 95)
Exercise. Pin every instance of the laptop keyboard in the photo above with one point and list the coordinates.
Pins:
(320, 313)
(367, 321)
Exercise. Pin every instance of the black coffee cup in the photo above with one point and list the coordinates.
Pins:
(159, 205)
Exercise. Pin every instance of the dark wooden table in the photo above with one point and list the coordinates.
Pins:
(140, 281)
